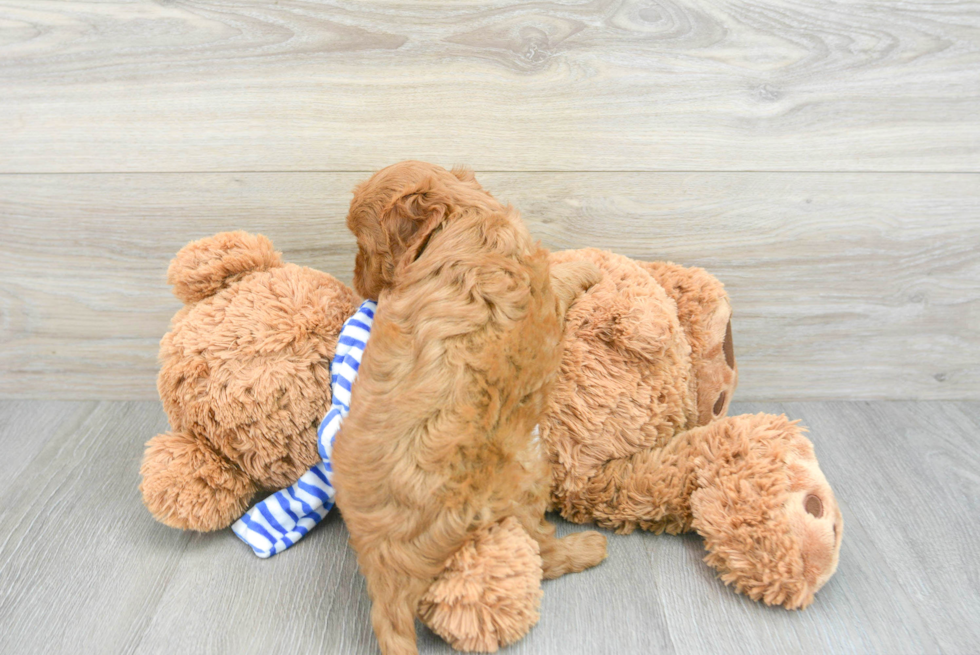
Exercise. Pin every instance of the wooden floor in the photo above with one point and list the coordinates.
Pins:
(85, 569)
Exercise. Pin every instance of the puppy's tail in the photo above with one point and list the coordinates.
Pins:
(569, 280)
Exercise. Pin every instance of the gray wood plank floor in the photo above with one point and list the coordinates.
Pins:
(85, 569)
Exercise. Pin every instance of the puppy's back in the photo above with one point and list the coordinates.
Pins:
(463, 348)
(453, 380)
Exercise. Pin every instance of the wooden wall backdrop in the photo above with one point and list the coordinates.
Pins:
(823, 159)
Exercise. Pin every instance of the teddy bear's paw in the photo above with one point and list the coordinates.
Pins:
(705, 314)
(489, 591)
(187, 485)
(768, 517)
(569, 280)
(814, 519)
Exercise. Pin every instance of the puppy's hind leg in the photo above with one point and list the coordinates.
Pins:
(570, 554)
(395, 597)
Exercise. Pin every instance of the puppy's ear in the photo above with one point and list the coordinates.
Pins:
(412, 216)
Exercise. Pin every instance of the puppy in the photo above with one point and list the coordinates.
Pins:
(463, 351)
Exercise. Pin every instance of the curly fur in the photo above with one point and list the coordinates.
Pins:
(463, 351)
(646, 355)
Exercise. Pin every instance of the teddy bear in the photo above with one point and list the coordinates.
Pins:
(635, 432)
(244, 379)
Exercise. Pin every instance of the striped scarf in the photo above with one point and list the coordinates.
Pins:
(285, 517)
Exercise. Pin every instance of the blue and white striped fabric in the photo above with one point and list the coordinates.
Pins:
(285, 517)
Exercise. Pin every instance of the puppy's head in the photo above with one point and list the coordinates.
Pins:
(396, 211)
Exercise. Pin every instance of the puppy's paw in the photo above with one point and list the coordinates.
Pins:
(489, 592)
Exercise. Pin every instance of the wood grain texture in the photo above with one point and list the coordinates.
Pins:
(26, 435)
(80, 556)
(856, 286)
(81, 570)
(502, 85)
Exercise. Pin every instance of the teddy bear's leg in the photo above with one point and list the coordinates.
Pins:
(650, 489)
(769, 519)
(749, 485)
(489, 591)
(187, 485)
(705, 314)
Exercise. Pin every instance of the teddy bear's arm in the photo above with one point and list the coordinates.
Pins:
(571, 279)
(188, 485)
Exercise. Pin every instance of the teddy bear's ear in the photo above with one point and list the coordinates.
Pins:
(202, 268)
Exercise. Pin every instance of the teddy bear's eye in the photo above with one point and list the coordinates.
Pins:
(813, 505)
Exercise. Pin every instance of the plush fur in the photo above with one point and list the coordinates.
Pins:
(648, 360)
(463, 352)
(244, 378)
(240, 425)
(623, 433)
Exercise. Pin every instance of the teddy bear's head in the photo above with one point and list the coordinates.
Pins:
(244, 378)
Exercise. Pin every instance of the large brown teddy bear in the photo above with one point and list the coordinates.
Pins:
(638, 437)
(244, 379)
(636, 432)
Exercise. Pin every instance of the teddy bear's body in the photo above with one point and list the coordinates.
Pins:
(635, 430)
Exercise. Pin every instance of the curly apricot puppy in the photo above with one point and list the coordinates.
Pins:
(463, 352)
